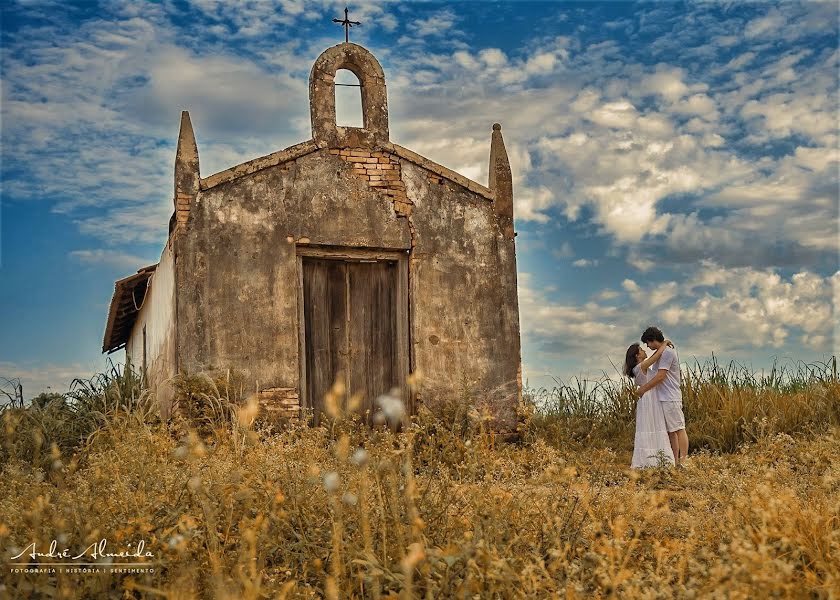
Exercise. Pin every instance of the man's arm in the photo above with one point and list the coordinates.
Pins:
(656, 380)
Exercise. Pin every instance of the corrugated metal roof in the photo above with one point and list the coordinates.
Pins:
(129, 294)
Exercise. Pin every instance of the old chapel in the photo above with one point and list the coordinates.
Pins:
(344, 256)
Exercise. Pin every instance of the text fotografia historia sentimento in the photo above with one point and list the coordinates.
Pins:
(54, 559)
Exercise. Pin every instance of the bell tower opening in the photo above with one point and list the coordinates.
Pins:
(348, 99)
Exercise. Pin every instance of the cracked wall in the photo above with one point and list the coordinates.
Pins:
(238, 280)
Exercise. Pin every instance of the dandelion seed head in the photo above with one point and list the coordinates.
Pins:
(360, 457)
(392, 408)
(331, 481)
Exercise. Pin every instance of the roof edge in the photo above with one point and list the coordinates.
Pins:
(109, 344)
(310, 146)
(440, 170)
(258, 164)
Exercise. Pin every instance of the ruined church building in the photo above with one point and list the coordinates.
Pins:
(343, 256)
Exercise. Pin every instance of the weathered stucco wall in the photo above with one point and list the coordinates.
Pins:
(463, 294)
(238, 279)
(157, 315)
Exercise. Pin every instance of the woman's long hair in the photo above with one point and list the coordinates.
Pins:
(630, 360)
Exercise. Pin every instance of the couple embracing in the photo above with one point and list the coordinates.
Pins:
(660, 423)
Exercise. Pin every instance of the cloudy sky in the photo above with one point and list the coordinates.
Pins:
(674, 164)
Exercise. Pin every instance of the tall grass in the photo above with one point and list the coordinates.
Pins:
(38, 433)
(439, 509)
(725, 405)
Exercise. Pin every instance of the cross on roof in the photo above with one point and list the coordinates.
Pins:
(347, 24)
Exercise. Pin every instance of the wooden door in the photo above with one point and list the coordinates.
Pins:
(350, 312)
(325, 327)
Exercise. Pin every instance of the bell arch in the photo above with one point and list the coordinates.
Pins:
(348, 100)
(367, 69)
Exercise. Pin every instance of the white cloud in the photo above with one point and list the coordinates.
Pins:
(697, 104)
(48, 377)
(564, 251)
(765, 25)
(630, 285)
(438, 24)
(666, 81)
(607, 295)
(530, 204)
(753, 308)
(493, 57)
(112, 258)
(730, 312)
(620, 115)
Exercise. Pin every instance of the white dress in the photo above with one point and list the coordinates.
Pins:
(651, 431)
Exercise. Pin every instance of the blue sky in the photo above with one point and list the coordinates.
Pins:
(674, 164)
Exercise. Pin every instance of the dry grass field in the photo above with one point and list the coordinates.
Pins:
(232, 507)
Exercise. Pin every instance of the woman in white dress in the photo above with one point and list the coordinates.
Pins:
(652, 446)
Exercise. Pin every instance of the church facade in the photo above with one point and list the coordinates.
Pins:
(345, 257)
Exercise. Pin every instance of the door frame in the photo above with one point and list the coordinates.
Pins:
(403, 341)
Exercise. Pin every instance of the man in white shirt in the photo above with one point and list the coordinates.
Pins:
(666, 387)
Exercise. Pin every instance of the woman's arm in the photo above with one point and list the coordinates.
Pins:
(654, 381)
(646, 364)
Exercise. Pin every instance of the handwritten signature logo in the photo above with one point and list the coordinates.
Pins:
(96, 551)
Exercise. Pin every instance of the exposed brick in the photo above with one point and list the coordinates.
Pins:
(280, 402)
(360, 153)
(334, 151)
(403, 208)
